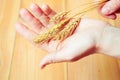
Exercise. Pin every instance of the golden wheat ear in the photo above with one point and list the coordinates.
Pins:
(49, 33)
(68, 30)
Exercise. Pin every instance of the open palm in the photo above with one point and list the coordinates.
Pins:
(83, 42)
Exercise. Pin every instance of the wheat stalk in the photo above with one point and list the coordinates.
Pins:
(58, 17)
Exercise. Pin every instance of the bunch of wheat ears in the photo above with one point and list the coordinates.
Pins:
(65, 26)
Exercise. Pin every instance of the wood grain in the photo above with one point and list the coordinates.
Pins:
(94, 67)
(8, 16)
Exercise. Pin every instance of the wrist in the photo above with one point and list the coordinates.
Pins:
(110, 41)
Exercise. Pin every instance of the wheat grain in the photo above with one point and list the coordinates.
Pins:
(58, 17)
(47, 35)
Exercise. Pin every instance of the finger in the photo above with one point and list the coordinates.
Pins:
(48, 11)
(35, 24)
(29, 35)
(54, 58)
(44, 19)
(110, 16)
(111, 7)
(25, 32)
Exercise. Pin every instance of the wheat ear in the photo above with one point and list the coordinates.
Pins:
(68, 30)
(47, 35)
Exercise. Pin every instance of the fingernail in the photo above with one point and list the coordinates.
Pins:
(33, 6)
(106, 10)
(112, 17)
(44, 6)
(23, 11)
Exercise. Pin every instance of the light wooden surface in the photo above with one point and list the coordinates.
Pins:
(19, 59)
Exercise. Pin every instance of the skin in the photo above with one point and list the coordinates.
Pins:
(110, 9)
(90, 36)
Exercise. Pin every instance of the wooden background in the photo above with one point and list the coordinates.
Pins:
(19, 59)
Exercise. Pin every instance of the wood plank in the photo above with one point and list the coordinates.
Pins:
(8, 16)
(94, 67)
(27, 57)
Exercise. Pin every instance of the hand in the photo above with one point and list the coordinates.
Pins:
(83, 42)
(110, 9)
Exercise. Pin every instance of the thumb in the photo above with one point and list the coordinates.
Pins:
(60, 56)
(110, 7)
